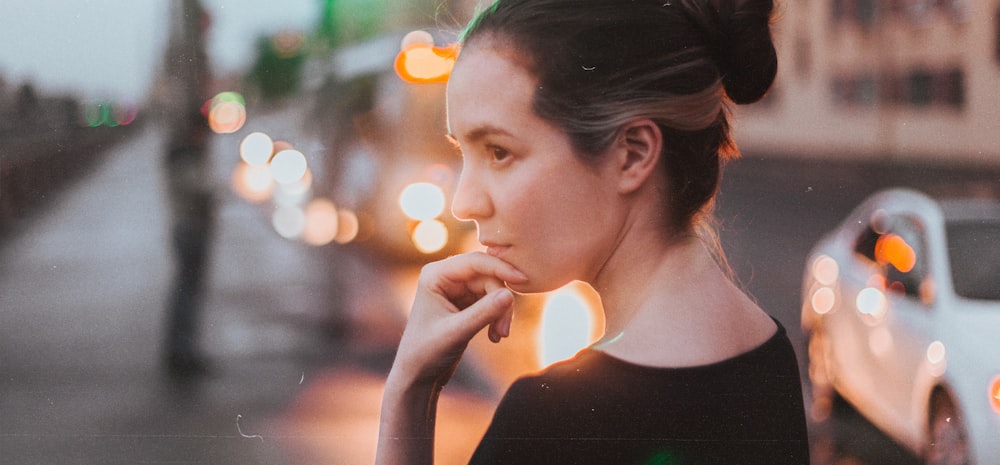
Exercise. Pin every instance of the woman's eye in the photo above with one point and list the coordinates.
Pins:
(498, 153)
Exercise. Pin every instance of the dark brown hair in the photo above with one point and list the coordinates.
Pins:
(603, 63)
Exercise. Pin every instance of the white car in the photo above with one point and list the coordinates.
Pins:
(901, 311)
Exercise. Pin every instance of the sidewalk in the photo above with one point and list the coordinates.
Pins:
(82, 294)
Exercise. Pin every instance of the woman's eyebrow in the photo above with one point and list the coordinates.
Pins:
(481, 132)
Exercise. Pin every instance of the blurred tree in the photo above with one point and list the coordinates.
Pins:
(326, 33)
(277, 69)
(26, 103)
(346, 21)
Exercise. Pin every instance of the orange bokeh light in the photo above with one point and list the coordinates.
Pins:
(425, 63)
(321, 222)
(226, 112)
(227, 117)
(995, 394)
(893, 249)
(348, 226)
(253, 183)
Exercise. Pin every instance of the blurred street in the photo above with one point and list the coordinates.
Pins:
(300, 338)
(83, 290)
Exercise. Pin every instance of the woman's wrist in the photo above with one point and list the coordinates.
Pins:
(409, 385)
(406, 431)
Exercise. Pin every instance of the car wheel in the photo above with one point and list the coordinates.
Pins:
(948, 441)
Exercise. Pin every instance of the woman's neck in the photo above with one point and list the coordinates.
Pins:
(636, 275)
(668, 303)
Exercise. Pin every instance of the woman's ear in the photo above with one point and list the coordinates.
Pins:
(639, 145)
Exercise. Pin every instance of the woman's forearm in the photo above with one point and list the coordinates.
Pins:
(456, 298)
(406, 425)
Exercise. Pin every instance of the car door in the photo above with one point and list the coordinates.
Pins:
(876, 333)
(846, 327)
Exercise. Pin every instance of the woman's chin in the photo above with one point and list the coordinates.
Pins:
(535, 287)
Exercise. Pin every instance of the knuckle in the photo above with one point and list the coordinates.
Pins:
(429, 272)
(429, 268)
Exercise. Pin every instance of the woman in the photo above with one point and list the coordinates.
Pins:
(592, 134)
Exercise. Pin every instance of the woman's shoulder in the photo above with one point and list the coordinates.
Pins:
(586, 365)
(766, 376)
(593, 370)
(770, 344)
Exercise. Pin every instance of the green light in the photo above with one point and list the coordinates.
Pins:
(663, 458)
(99, 114)
(233, 97)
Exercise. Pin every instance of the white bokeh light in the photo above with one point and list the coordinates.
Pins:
(288, 166)
(321, 225)
(289, 221)
(566, 326)
(422, 201)
(256, 148)
(430, 236)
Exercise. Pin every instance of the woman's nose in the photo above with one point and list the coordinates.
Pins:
(471, 200)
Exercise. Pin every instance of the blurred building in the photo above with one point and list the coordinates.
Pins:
(899, 79)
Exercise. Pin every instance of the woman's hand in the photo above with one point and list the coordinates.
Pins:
(456, 298)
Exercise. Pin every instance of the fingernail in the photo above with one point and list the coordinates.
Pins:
(504, 298)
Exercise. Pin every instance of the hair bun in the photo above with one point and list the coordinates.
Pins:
(745, 50)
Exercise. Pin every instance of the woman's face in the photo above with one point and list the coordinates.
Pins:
(535, 203)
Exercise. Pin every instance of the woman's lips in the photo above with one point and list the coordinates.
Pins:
(495, 249)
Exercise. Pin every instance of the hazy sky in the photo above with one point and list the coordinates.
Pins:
(112, 48)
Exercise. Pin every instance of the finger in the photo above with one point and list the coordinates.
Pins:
(485, 311)
(500, 328)
(466, 267)
(464, 294)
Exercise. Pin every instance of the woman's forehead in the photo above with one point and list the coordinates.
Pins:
(486, 88)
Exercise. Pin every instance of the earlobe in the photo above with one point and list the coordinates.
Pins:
(640, 144)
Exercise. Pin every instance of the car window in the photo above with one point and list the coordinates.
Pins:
(975, 258)
(896, 247)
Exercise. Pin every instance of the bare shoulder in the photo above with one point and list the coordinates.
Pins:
(707, 336)
(742, 325)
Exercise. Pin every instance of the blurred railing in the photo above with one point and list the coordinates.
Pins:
(36, 162)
